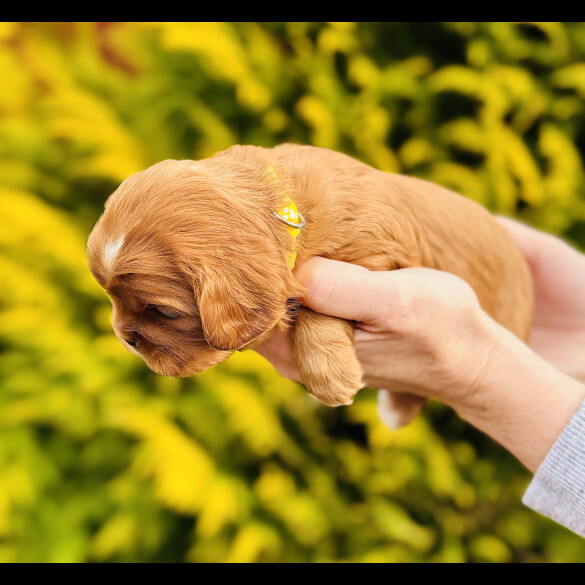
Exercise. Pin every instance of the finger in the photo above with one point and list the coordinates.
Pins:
(526, 238)
(277, 349)
(535, 245)
(544, 252)
(342, 290)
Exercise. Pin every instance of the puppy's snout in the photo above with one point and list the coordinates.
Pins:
(130, 342)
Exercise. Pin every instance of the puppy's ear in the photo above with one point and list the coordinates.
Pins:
(236, 308)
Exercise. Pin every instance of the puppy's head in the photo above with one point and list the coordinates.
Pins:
(193, 259)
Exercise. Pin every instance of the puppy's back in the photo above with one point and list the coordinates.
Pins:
(418, 222)
(458, 235)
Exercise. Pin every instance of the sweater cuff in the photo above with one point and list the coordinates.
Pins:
(557, 490)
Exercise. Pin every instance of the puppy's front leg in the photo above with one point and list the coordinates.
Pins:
(325, 357)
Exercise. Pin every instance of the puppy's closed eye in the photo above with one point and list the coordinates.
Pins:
(163, 312)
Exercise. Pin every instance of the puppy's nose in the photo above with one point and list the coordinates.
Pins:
(130, 342)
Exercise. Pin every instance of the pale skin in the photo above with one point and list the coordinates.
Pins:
(422, 332)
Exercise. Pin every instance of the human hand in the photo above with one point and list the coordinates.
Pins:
(417, 331)
(421, 332)
(558, 274)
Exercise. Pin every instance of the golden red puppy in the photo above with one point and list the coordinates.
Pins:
(197, 256)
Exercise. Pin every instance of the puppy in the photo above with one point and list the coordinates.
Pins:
(197, 257)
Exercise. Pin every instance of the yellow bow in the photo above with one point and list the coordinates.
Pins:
(289, 215)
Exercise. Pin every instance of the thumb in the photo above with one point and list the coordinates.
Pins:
(340, 289)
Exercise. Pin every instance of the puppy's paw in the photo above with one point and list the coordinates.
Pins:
(398, 409)
(337, 383)
(325, 357)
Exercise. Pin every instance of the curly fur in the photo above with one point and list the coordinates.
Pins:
(197, 240)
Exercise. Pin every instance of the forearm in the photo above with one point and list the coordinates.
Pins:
(520, 400)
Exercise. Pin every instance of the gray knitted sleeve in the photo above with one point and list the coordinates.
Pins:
(557, 490)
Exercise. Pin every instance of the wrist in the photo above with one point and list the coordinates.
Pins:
(518, 399)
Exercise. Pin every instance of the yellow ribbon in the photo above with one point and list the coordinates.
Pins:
(289, 214)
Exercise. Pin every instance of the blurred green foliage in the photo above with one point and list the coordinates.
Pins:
(102, 460)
